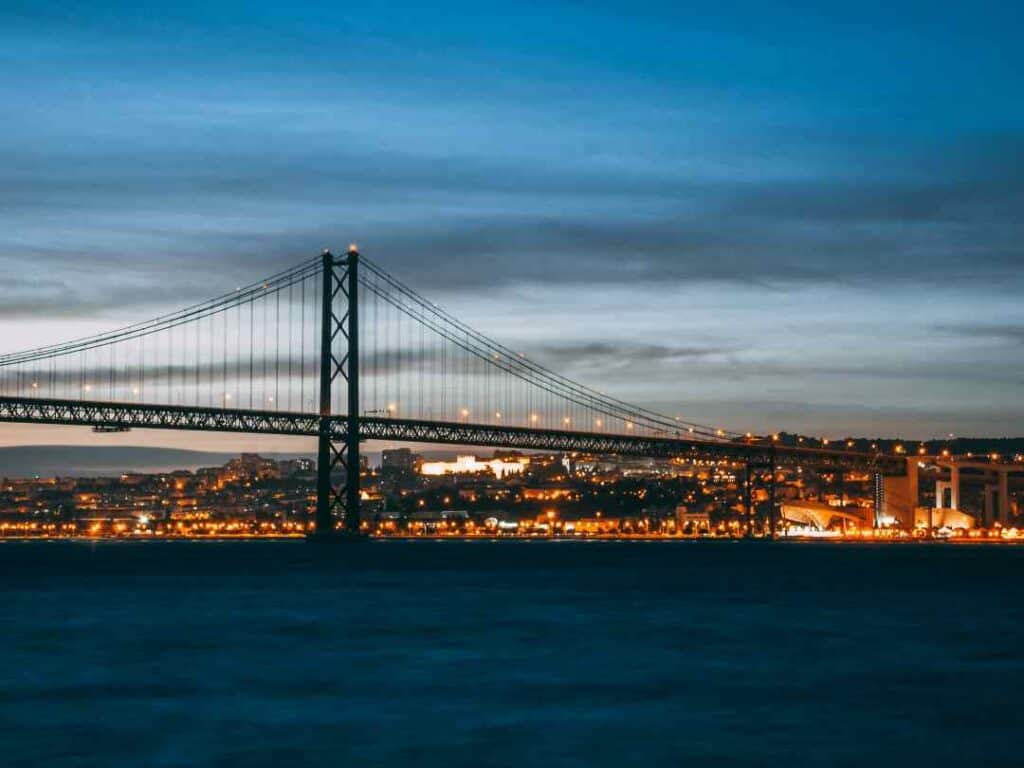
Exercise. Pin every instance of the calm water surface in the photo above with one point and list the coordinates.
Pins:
(518, 654)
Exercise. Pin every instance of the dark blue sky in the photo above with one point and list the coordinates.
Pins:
(803, 215)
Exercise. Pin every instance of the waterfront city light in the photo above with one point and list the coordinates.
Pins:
(516, 479)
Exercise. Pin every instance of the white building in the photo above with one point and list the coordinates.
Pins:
(468, 465)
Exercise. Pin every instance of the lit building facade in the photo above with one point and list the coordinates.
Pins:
(469, 465)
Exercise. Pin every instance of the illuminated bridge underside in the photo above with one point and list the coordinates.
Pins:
(144, 416)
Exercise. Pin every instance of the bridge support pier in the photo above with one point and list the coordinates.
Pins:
(336, 504)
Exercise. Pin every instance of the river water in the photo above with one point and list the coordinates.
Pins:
(451, 653)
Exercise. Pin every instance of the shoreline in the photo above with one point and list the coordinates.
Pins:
(906, 540)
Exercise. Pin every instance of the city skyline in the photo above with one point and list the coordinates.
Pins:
(719, 219)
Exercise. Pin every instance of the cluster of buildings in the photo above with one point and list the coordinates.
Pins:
(249, 495)
(529, 495)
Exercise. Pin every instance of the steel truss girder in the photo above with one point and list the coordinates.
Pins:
(409, 430)
(147, 416)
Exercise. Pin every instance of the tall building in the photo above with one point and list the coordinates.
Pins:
(397, 461)
(398, 466)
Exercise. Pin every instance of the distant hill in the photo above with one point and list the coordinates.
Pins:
(89, 461)
(107, 461)
(1004, 446)
(101, 461)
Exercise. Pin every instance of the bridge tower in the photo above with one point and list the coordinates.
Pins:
(340, 277)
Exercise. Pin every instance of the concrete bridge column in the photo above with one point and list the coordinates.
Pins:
(901, 494)
(988, 511)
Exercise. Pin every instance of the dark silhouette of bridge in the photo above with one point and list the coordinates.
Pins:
(338, 349)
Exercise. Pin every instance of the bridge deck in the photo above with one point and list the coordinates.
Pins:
(148, 416)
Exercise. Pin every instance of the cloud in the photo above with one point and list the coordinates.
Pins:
(1002, 332)
(464, 223)
(607, 355)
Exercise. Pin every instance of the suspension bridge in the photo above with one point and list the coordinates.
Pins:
(338, 349)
